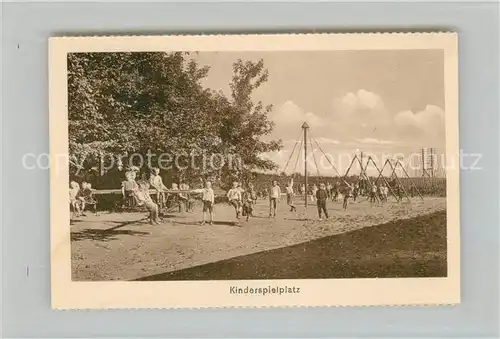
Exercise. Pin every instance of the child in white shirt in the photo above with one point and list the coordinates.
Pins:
(157, 183)
(314, 190)
(274, 199)
(234, 196)
(289, 196)
(74, 201)
(208, 199)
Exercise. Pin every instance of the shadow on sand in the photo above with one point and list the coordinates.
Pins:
(103, 235)
(403, 248)
(109, 233)
(198, 223)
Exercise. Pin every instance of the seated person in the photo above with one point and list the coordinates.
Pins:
(86, 197)
(142, 197)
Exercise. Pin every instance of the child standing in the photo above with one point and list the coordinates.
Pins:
(128, 188)
(314, 191)
(355, 192)
(329, 190)
(373, 194)
(321, 197)
(383, 196)
(242, 191)
(399, 190)
(336, 192)
(253, 195)
(208, 199)
(183, 196)
(289, 195)
(380, 193)
(249, 199)
(234, 196)
(412, 191)
(157, 183)
(75, 203)
(274, 199)
(347, 194)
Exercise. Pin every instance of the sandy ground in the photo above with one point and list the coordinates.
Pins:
(403, 248)
(124, 246)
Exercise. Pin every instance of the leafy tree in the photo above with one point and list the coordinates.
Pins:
(244, 122)
(154, 103)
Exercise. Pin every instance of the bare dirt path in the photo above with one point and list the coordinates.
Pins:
(124, 246)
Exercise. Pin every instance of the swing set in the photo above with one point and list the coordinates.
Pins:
(305, 141)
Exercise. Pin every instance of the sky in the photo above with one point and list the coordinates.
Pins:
(380, 102)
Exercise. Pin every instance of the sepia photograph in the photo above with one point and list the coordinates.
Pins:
(258, 165)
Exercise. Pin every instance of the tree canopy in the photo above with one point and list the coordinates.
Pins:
(154, 103)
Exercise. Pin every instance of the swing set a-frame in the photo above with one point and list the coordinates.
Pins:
(394, 176)
(306, 140)
(371, 184)
(364, 177)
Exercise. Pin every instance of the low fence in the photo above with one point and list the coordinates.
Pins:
(426, 185)
(112, 199)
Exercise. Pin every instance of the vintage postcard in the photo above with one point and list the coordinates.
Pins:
(254, 171)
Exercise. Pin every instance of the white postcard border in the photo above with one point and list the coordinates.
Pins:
(68, 294)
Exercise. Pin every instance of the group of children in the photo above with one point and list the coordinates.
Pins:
(138, 193)
(243, 199)
(380, 192)
(143, 197)
(155, 182)
(334, 192)
(324, 192)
